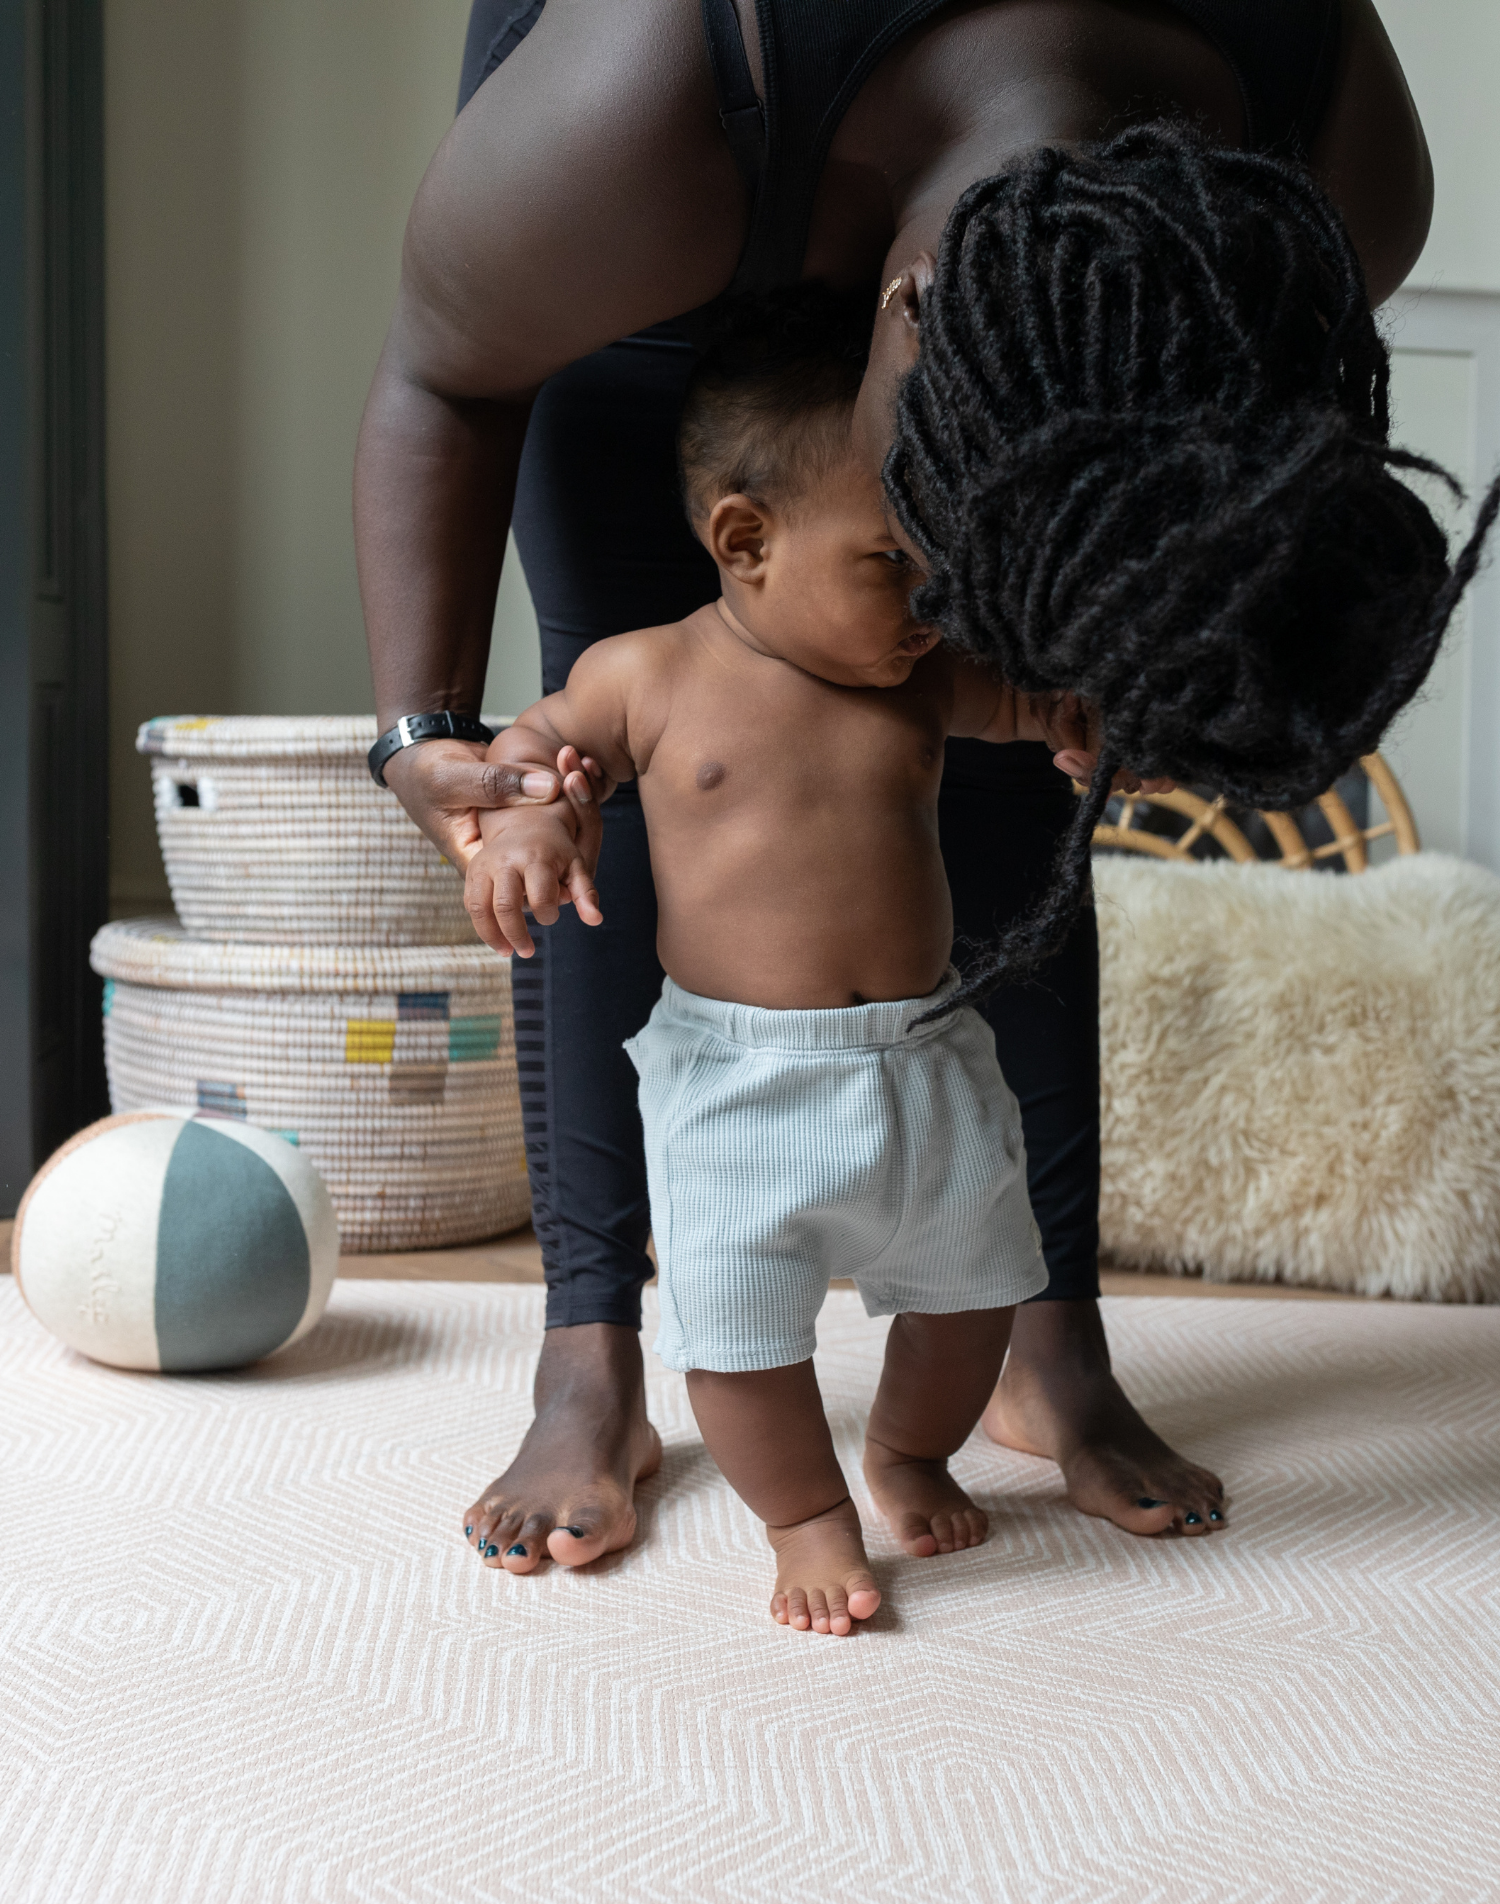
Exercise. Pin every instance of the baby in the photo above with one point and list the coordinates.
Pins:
(810, 1109)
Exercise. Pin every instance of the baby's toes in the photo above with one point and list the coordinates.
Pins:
(779, 1611)
(796, 1610)
(971, 1528)
(864, 1596)
(817, 1609)
(917, 1536)
(838, 1612)
(943, 1532)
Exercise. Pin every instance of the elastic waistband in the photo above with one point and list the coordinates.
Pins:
(841, 1028)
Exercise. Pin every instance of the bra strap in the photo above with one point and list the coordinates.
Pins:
(740, 111)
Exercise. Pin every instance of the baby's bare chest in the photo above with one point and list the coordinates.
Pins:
(726, 752)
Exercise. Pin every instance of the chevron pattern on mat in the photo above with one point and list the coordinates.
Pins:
(245, 1654)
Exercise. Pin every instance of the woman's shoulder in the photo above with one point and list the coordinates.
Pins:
(1371, 154)
(585, 192)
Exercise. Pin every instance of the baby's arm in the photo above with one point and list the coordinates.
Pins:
(987, 708)
(544, 857)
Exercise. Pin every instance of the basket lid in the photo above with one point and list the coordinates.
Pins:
(266, 736)
(159, 952)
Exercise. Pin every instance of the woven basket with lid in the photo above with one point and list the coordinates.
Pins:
(394, 1068)
(273, 831)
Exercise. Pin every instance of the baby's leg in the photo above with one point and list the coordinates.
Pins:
(939, 1373)
(769, 1435)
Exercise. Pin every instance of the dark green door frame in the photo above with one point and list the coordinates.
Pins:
(54, 745)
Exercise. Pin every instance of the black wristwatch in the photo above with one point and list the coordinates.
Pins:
(412, 728)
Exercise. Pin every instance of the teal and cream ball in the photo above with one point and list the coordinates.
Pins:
(159, 1240)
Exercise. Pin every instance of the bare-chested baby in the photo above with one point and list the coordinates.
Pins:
(806, 1113)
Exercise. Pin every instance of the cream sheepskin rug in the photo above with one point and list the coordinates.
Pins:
(1301, 1074)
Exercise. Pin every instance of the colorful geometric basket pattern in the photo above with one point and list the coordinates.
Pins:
(325, 982)
(404, 1098)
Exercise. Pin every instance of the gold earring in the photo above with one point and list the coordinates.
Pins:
(889, 292)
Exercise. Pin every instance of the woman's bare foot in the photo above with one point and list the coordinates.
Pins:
(1058, 1398)
(823, 1578)
(928, 1511)
(570, 1491)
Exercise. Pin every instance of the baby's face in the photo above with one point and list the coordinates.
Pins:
(835, 598)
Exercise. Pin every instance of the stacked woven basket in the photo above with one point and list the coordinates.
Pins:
(324, 982)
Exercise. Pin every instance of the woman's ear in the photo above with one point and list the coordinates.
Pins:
(737, 535)
(907, 293)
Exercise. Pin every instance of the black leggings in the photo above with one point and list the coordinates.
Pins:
(605, 547)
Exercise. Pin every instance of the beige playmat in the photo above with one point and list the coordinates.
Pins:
(246, 1655)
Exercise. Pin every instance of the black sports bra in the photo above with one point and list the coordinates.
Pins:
(816, 54)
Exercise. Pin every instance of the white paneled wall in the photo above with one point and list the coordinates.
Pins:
(1446, 403)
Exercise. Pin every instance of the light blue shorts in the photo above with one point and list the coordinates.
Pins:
(785, 1147)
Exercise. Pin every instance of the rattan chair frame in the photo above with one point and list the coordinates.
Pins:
(1351, 842)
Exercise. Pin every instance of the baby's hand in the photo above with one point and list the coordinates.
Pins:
(1070, 725)
(531, 858)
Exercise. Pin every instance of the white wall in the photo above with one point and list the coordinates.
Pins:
(1446, 403)
(1450, 52)
(261, 158)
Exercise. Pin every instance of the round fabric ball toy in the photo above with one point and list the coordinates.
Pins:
(160, 1240)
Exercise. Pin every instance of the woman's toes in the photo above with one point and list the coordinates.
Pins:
(526, 1548)
(577, 1543)
(1147, 1514)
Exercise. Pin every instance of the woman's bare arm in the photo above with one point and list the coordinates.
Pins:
(1371, 154)
(587, 190)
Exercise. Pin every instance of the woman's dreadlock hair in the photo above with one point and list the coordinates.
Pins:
(1145, 451)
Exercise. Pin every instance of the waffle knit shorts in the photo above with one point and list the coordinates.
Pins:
(786, 1147)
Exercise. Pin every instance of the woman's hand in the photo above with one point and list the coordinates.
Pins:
(536, 862)
(445, 784)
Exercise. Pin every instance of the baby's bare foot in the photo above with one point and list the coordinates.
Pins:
(823, 1578)
(928, 1511)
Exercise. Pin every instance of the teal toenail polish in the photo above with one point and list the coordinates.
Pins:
(468, 1530)
(1214, 1514)
(1146, 1501)
(1193, 1520)
(490, 1552)
(576, 1532)
(513, 1550)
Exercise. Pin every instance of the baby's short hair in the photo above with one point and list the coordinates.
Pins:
(767, 409)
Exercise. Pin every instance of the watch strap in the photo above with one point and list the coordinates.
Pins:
(413, 728)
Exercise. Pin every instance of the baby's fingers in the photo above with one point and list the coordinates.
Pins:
(542, 894)
(508, 910)
(590, 836)
(485, 904)
(584, 894)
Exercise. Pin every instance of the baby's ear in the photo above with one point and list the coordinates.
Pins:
(737, 535)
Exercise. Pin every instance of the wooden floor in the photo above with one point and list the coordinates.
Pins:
(517, 1258)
